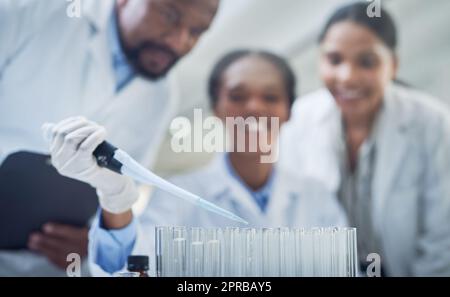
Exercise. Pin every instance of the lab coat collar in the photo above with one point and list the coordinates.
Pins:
(394, 109)
(395, 122)
(100, 69)
(264, 191)
(329, 141)
(231, 189)
(98, 12)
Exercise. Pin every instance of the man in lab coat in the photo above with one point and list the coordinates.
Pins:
(105, 65)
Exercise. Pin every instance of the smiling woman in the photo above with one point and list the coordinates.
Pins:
(357, 62)
(383, 149)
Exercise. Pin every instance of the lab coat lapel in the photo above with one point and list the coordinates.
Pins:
(243, 199)
(99, 79)
(280, 201)
(130, 96)
(232, 191)
(329, 146)
(392, 146)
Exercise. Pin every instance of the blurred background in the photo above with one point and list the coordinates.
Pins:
(290, 28)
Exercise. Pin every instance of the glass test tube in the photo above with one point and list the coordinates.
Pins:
(270, 252)
(212, 265)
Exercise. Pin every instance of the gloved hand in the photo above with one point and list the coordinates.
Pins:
(72, 142)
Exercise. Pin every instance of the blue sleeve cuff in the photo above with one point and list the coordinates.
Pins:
(111, 248)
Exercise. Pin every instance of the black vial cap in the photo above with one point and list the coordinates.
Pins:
(137, 263)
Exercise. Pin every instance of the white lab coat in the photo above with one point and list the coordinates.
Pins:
(411, 184)
(293, 203)
(53, 67)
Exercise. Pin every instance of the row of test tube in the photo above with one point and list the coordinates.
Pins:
(236, 252)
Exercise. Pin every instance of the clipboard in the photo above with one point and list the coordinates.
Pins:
(33, 193)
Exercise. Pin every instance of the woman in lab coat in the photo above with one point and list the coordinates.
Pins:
(383, 149)
(243, 84)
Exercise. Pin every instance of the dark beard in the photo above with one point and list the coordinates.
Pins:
(134, 54)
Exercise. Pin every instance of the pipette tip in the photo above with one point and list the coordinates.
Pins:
(240, 220)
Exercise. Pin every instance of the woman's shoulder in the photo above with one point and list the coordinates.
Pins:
(313, 107)
(427, 117)
(420, 102)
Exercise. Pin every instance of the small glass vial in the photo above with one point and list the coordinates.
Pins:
(138, 264)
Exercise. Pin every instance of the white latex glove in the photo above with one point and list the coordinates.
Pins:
(72, 142)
